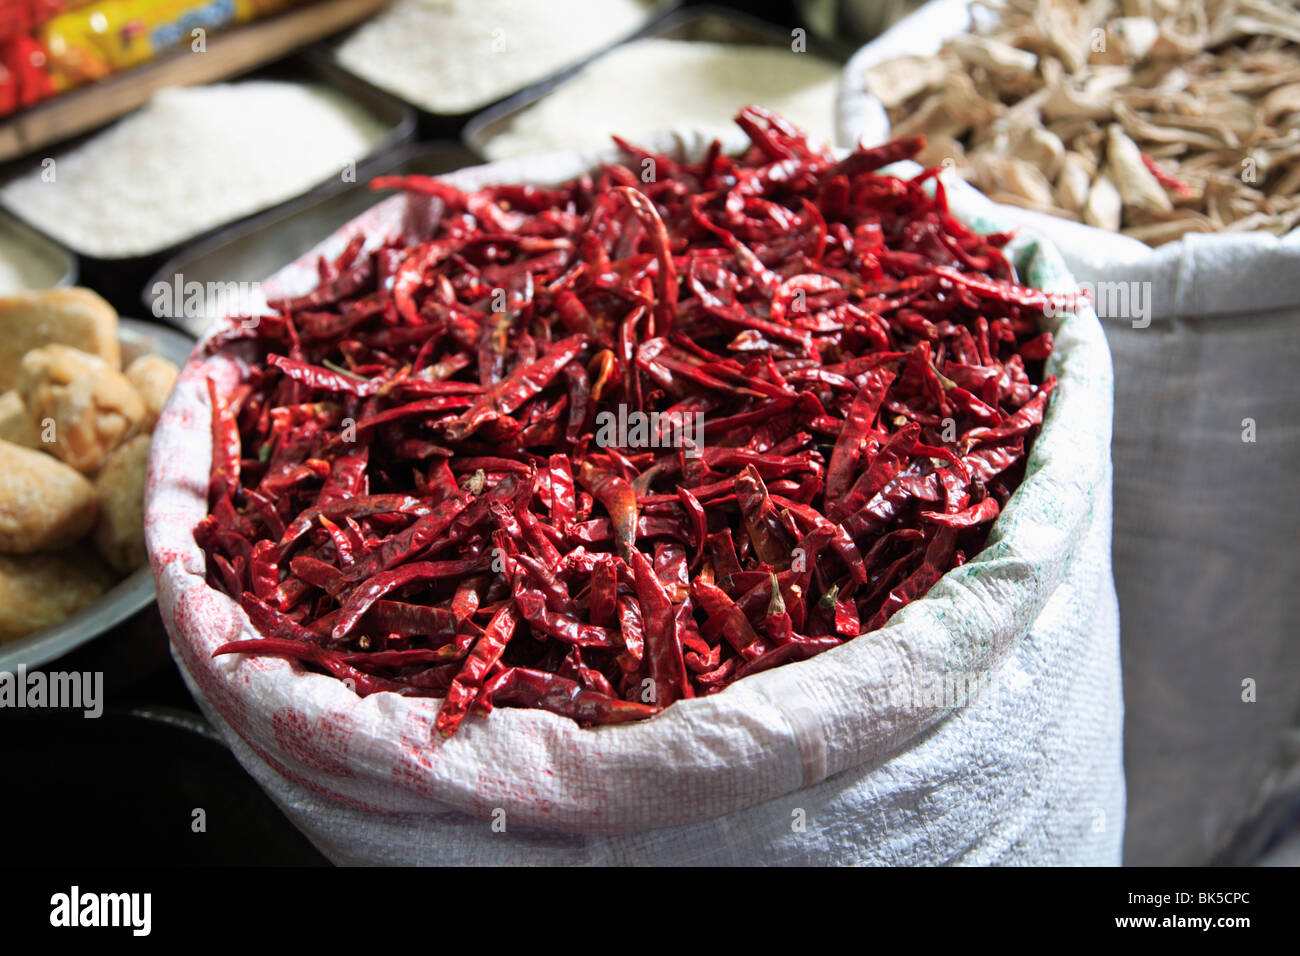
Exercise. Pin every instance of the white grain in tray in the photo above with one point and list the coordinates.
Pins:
(452, 56)
(192, 159)
(656, 84)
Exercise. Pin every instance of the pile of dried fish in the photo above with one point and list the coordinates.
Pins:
(1153, 117)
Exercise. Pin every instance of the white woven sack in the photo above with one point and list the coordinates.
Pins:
(1206, 524)
(850, 757)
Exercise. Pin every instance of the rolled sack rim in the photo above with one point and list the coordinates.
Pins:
(764, 736)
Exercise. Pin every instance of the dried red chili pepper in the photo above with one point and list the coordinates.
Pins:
(469, 680)
(865, 370)
(522, 687)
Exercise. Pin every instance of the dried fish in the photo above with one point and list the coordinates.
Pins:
(1137, 185)
(1104, 204)
(1151, 117)
(955, 109)
(1010, 176)
(1041, 148)
(896, 81)
(1073, 183)
(992, 54)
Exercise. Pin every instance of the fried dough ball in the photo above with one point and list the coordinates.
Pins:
(120, 487)
(16, 422)
(44, 504)
(153, 377)
(92, 405)
(32, 320)
(39, 590)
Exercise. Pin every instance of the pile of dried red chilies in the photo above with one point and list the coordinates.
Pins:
(410, 489)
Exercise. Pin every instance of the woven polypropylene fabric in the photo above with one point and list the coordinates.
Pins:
(1206, 453)
(843, 758)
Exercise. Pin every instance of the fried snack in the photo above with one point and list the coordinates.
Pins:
(92, 405)
(39, 590)
(44, 504)
(77, 317)
(153, 377)
(119, 535)
(16, 423)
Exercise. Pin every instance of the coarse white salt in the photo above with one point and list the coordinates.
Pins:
(192, 159)
(651, 85)
(452, 56)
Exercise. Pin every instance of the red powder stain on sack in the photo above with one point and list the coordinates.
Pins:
(313, 786)
(218, 692)
(165, 556)
(417, 758)
(565, 780)
(214, 685)
(316, 744)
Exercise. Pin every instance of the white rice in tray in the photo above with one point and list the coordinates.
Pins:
(452, 56)
(656, 84)
(192, 159)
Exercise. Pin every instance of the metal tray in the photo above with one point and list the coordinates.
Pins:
(699, 24)
(136, 591)
(447, 125)
(230, 50)
(62, 263)
(118, 280)
(255, 248)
